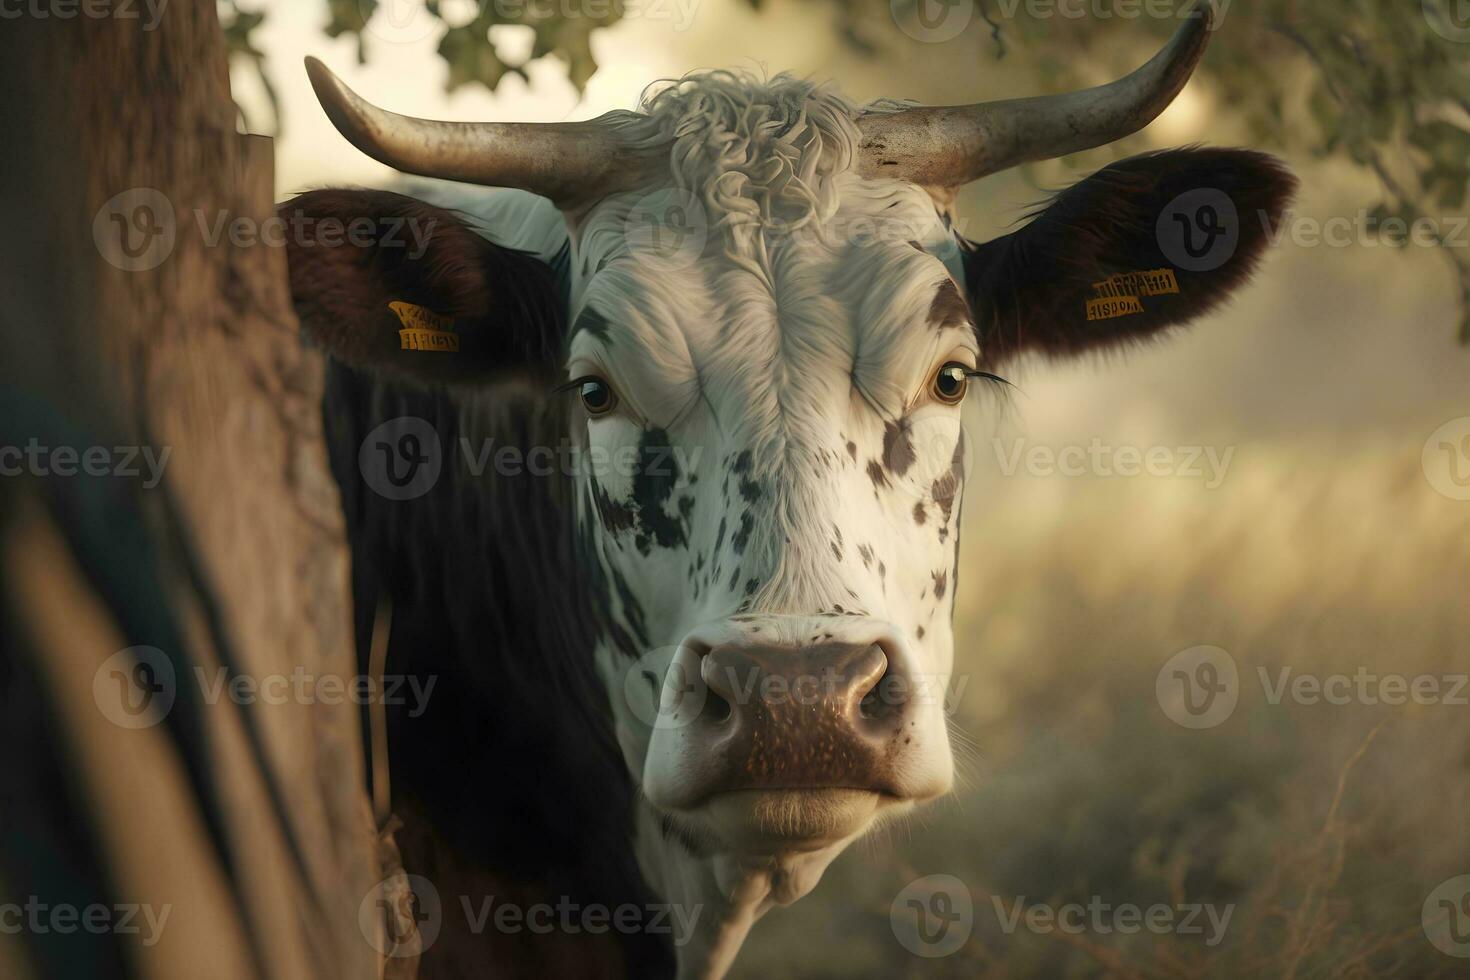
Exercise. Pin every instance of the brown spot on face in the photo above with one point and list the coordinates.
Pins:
(919, 514)
(945, 488)
(898, 448)
(948, 308)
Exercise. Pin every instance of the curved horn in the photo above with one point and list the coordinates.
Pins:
(570, 163)
(946, 146)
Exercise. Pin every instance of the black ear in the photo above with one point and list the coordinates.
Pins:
(391, 284)
(1147, 243)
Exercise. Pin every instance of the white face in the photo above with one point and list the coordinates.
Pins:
(791, 518)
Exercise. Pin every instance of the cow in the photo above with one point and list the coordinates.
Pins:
(701, 648)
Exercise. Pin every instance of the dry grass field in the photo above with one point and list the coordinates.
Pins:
(1322, 827)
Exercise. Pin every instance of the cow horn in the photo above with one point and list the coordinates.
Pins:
(571, 163)
(946, 146)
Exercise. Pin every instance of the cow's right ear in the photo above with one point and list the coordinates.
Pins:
(393, 285)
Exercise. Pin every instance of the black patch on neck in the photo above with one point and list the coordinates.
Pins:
(513, 772)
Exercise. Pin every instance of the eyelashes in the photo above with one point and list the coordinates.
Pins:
(992, 378)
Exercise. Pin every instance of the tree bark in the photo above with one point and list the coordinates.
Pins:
(248, 820)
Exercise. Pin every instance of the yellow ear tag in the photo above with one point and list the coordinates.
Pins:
(1118, 295)
(424, 329)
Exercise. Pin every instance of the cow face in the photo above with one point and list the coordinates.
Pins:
(772, 418)
(783, 552)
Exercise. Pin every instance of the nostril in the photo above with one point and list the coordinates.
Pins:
(718, 709)
(885, 697)
(875, 705)
(718, 706)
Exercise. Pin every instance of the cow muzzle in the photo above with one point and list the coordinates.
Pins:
(796, 727)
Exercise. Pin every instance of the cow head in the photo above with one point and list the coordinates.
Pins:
(781, 553)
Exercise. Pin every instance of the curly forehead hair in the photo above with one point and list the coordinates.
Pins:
(756, 149)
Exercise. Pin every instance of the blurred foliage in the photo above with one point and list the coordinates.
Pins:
(238, 25)
(1384, 84)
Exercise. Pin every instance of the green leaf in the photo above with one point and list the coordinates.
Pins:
(471, 57)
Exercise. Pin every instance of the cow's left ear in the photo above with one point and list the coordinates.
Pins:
(395, 286)
(1145, 244)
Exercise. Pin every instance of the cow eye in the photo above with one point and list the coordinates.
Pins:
(951, 383)
(597, 396)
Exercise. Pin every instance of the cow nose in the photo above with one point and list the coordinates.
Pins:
(783, 703)
(764, 686)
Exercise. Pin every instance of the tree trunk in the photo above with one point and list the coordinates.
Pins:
(125, 323)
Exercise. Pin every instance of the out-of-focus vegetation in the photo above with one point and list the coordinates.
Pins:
(1388, 85)
(1324, 826)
